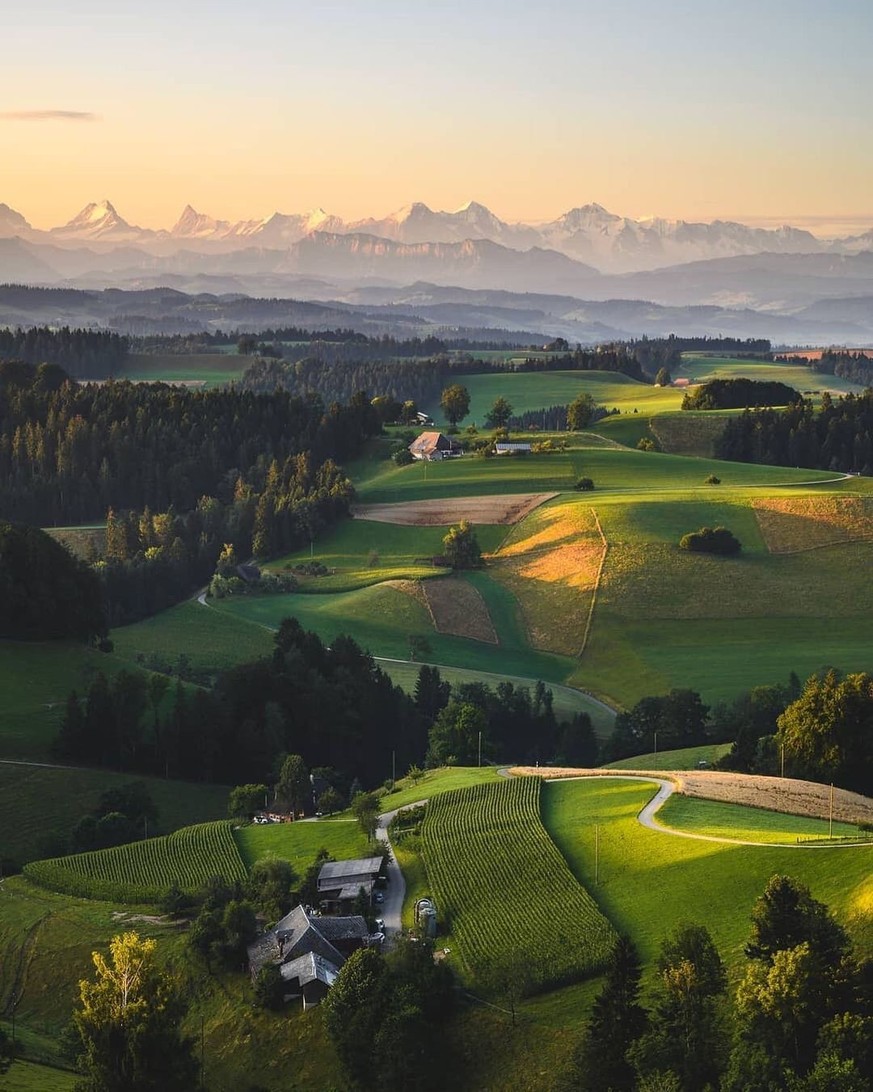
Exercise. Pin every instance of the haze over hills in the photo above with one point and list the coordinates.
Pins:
(625, 277)
(588, 233)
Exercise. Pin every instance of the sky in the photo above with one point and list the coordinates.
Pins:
(758, 110)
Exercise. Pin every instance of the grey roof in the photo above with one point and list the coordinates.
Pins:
(301, 934)
(353, 889)
(351, 927)
(345, 871)
(512, 446)
(307, 968)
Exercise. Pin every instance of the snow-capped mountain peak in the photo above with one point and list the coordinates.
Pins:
(12, 223)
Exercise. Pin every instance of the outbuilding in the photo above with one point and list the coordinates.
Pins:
(433, 446)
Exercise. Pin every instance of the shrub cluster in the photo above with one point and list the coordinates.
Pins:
(711, 540)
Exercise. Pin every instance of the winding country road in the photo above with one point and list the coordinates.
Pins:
(646, 818)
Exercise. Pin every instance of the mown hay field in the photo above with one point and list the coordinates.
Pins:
(458, 608)
(143, 871)
(792, 524)
(499, 881)
(650, 881)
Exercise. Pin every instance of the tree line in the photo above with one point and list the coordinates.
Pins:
(845, 363)
(70, 453)
(838, 437)
(92, 353)
(332, 705)
(739, 394)
(821, 730)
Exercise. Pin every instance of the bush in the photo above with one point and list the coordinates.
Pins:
(585, 485)
(403, 457)
(269, 987)
(712, 480)
(711, 540)
(646, 444)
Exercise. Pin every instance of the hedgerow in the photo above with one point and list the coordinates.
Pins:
(505, 888)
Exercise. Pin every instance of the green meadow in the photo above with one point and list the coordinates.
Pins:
(685, 758)
(718, 820)
(40, 805)
(195, 369)
(300, 842)
(648, 881)
(701, 367)
(527, 391)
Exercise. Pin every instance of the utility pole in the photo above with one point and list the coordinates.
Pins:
(831, 815)
(656, 745)
(479, 763)
(393, 768)
(783, 761)
(596, 855)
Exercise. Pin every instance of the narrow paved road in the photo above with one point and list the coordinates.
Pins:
(666, 789)
(391, 909)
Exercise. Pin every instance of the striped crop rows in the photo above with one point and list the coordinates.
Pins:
(143, 871)
(507, 892)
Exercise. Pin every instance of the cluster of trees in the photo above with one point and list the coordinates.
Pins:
(802, 1015)
(711, 540)
(153, 559)
(656, 353)
(855, 366)
(385, 1017)
(45, 592)
(663, 723)
(415, 379)
(90, 353)
(838, 437)
(819, 731)
(332, 706)
(121, 815)
(66, 455)
(739, 394)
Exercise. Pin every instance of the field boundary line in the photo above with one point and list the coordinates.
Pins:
(590, 620)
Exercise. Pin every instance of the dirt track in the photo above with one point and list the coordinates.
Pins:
(499, 508)
(773, 793)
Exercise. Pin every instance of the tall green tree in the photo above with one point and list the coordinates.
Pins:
(455, 403)
(687, 1036)
(499, 414)
(617, 1022)
(128, 1023)
(461, 547)
(293, 783)
(580, 411)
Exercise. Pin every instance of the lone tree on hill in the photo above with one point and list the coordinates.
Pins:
(461, 548)
(455, 403)
(579, 412)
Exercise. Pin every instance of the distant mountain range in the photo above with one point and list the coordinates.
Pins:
(589, 234)
(467, 268)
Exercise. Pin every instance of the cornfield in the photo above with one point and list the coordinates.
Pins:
(505, 889)
(143, 871)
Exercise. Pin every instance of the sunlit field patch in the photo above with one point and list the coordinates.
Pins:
(792, 524)
(457, 607)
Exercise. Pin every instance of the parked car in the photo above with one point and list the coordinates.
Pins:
(379, 896)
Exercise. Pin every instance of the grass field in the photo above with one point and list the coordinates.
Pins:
(538, 390)
(686, 758)
(649, 881)
(143, 871)
(701, 367)
(496, 874)
(36, 678)
(195, 631)
(39, 805)
(436, 782)
(720, 820)
(27, 1076)
(201, 369)
(300, 842)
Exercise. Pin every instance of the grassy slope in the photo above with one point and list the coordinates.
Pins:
(39, 806)
(210, 369)
(651, 881)
(713, 818)
(539, 390)
(30, 1077)
(300, 842)
(700, 367)
(685, 758)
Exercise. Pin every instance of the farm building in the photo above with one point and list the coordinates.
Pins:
(509, 448)
(432, 446)
(423, 418)
(340, 882)
(308, 950)
(309, 976)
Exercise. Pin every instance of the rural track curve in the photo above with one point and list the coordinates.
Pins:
(646, 817)
(391, 909)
